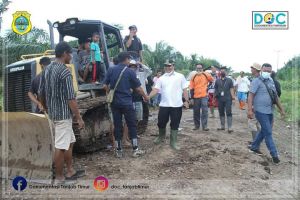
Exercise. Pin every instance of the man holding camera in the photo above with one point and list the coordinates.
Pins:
(133, 43)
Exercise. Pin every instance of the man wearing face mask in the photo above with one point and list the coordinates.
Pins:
(225, 94)
(171, 85)
(198, 86)
(261, 99)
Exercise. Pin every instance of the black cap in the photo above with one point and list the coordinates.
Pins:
(169, 62)
(132, 26)
(123, 56)
(223, 67)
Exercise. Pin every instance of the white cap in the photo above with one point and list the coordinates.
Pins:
(132, 62)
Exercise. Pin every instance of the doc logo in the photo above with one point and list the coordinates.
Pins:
(270, 20)
(19, 183)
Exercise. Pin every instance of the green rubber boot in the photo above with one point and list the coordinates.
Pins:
(161, 136)
(173, 140)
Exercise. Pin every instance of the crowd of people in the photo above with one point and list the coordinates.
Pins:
(127, 83)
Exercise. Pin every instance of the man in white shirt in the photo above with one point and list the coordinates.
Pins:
(171, 86)
(242, 85)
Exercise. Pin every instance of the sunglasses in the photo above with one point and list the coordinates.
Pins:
(168, 65)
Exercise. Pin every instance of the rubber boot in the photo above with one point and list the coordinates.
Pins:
(173, 140)
(161, 136)
(222, 123)
(229, 123)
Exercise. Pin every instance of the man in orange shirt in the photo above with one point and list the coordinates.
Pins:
(198, 85)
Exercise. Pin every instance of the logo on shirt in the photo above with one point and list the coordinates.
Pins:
(21, 22)
(270, 20)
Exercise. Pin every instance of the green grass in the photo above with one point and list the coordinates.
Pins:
(290, 101)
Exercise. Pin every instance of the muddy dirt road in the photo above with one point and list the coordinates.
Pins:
(205, 157)
(212, 164)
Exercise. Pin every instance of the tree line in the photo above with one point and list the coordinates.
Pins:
(37, 41)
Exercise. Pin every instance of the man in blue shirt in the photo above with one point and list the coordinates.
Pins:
(122, 101)
(261, 103)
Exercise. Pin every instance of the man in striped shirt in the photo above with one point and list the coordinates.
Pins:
(57, 90)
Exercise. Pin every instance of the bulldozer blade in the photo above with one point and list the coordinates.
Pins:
(27, 146)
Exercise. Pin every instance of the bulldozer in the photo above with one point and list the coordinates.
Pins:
(27, 138)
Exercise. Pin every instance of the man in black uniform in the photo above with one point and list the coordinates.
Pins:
(133, 43)
(224, 94)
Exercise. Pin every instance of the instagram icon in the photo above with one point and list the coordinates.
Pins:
(101, 183)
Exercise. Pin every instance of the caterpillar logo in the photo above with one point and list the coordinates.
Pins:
(15, 69)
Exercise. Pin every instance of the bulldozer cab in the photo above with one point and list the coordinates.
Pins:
(110, 42)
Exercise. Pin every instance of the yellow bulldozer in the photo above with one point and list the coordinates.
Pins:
(27, 139)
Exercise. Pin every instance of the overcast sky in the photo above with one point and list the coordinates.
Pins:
(219, 29)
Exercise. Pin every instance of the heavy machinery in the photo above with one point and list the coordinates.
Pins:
(28, 140)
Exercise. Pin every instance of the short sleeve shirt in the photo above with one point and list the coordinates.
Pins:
(136, 44)
(262, 101)
(35, 84)
(84, 58)
(96, 49)
(171, 88)
(200, 84)
(225, 86)
(57, 86)
(129, 80)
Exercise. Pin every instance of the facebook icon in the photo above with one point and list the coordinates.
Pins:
(19, 183)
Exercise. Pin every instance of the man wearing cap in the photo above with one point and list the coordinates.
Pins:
(171, 85)
(142, 72)
(122, 101)
(133, 43)
(198, 86)
(253, 124)
(242, 85)
(262, 97)
(225, 94)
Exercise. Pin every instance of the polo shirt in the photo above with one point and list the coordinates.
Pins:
(136, 44)
(171, 88)
(223, 85)
(129, 80)
(200, 83)
(262, 101)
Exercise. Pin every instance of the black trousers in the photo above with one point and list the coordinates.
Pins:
(166, 113)
(225, 105)
(130, 119)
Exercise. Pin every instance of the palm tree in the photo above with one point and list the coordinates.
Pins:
(3, 8)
